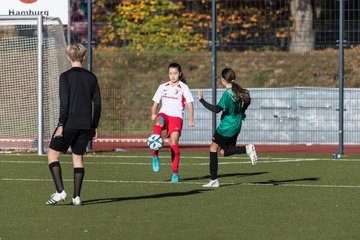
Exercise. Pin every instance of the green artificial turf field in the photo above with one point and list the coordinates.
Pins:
(282, 197)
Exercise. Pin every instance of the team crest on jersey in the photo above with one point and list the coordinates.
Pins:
(28, 1)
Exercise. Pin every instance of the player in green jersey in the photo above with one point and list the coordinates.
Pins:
(233, 105)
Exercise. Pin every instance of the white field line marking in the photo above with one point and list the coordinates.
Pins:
(243, 157)
(149, 163)
(189, 183)
(275, 160)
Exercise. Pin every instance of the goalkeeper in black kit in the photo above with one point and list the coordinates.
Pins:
(80, 107)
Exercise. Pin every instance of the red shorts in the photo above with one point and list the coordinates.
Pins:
(171, 124)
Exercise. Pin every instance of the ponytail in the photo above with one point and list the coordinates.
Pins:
(241, 94)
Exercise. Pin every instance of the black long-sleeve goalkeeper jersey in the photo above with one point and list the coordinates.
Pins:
(79, 97)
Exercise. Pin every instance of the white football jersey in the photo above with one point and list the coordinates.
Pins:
(173, 99)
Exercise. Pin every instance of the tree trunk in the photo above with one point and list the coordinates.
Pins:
(302, 34)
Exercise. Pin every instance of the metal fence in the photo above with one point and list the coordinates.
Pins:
(269, 43)
(287, 116)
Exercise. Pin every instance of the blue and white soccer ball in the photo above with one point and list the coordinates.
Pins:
(155, 142)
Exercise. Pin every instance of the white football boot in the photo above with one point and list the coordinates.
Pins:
(212, 184)
(250, 150)
(76, 201)
(57, 197)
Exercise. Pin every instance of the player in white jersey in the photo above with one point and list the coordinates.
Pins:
(174, 96)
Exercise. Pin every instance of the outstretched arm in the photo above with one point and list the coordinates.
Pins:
(213, 108)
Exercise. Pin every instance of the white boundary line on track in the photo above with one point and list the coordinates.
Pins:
(189, 183)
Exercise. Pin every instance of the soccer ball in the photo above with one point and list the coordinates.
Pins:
(28, 1)
(155, 142)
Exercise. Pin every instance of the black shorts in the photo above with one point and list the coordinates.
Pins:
(224, 142)
(77, 139)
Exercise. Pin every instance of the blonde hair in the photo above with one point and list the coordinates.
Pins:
(76, 52)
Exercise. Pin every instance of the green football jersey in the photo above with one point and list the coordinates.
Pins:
(231, 117)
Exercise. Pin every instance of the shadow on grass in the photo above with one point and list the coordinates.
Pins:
(228, 175)
(274, 182)
(154, 196)
(279, 182)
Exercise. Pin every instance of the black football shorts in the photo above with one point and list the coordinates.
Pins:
(77, 139)
(224, 142)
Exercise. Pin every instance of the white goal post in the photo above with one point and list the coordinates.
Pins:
(32, 56)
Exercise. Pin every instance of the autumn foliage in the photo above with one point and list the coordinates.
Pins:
(151, 25)
(173, 25)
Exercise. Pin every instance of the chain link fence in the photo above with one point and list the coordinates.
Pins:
(274, 45)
